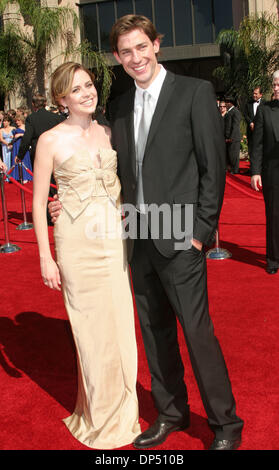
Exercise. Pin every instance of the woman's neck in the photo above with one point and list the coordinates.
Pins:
(84, 123)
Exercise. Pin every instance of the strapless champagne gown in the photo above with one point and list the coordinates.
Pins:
(97, 294)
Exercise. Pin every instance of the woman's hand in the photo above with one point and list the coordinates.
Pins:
(50, 273)
(256, 182)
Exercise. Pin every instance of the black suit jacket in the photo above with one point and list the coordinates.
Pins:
(232, 125)
(249, 115)
(265, 151)
(37, 123)
(184, 160)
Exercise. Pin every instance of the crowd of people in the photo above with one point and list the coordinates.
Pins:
(233, 134)
(165, 145)
(13, 125)
(262, 132)
(12, 129)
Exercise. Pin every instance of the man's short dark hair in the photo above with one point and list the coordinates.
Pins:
(39, 101)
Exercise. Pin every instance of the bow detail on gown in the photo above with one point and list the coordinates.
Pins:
(85, 182)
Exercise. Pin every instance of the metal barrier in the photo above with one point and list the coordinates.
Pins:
(7, 247)
(217, 252)
(25, 225)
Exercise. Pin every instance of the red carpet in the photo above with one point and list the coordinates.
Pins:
(37, 360)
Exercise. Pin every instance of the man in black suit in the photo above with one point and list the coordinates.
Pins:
(250, 114)
(36, 123)
(265, 170)
(183, 164)
(232, 120)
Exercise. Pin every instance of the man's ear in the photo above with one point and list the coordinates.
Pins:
(117, 57)
(156, 45)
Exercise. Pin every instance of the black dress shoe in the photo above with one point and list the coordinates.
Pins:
(158, 433)
(225, 444)
(271, 270)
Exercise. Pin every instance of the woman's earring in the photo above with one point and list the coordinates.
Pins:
(66, 111)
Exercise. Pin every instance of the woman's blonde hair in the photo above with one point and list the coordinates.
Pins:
(20, 116)
(62, 79)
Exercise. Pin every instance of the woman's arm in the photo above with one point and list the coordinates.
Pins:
(18, 135)
(42, 173)
(2, 140)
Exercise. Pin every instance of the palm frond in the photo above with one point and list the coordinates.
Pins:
(250, 54)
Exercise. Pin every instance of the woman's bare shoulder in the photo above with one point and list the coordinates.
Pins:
(52, 135)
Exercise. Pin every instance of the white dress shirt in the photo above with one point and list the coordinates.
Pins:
(154, 90)
(255, 106)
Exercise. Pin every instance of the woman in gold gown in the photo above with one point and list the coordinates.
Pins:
(90, 263)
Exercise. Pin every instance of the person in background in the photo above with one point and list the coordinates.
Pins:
(17, 136)
(6, 137)
(265, 170)
(1, 119)
(1, 126)
(250, 114)
(12, 114)
(222, 108)
(36, 124)
(232, 120)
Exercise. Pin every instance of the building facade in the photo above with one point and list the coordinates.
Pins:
(190, 29)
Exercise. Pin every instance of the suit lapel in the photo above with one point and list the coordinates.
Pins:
(129, 129)
(275, 121)
(164, 97)
(251, 106)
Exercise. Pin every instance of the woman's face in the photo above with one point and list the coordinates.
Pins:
(18, 122)
(6, 123)
(83, 97)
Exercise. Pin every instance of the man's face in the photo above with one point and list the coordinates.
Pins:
(257, 94)
(222, 106)
(275, 86)
(137, 55)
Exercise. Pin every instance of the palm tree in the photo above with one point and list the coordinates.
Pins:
(46, 27)
(250, 55)
(11, 64)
